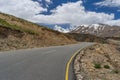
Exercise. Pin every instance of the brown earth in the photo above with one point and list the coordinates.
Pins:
(15, 39)
(87, 38)
(99, 62)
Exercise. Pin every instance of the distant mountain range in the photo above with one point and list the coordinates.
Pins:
(101, 30)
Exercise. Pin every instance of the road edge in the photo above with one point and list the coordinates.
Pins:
(68, 64)
(71, 61)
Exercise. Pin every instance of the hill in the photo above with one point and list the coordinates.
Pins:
(87, 38)
(16, 33)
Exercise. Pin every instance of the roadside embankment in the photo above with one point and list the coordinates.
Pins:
(99, 62)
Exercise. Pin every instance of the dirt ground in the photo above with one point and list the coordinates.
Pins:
(99, 62)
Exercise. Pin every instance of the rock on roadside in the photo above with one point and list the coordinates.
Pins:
(99, 62)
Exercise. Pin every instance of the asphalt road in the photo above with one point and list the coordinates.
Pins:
(37, 64)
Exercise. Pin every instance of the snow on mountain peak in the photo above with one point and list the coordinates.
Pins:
(60, 29)
(95, 26)
(84, 25)
(98, 30)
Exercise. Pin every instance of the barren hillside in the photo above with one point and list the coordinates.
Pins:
(16, 33)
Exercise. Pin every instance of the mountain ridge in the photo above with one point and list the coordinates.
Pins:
(101, 30)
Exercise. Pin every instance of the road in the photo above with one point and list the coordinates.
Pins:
(38, 64)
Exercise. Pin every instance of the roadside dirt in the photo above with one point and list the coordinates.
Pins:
(99, 62)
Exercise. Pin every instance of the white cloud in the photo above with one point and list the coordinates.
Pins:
(22, 8)
(113, 22)
(109, 3)
(75, 14)
(72, 12)
(48, 1)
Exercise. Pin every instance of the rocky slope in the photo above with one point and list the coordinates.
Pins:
(16, 33)
(99, 62)
(87, 38)
(100, 30)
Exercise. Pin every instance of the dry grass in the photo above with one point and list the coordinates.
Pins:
(24, 34)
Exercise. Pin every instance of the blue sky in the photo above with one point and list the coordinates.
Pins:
(88, 4)
(73, 12)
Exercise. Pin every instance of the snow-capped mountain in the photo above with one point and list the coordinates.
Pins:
(64, 28)
(102, 30)
(60, 29)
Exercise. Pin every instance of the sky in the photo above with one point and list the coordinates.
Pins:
(73, 12)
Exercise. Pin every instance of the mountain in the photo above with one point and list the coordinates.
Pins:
(60, 29)
(101, 30)
(64, 28)
(16, 33)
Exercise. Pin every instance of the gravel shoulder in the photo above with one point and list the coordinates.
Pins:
(99, 62)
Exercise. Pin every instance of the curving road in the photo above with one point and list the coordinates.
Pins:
(38, 64)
